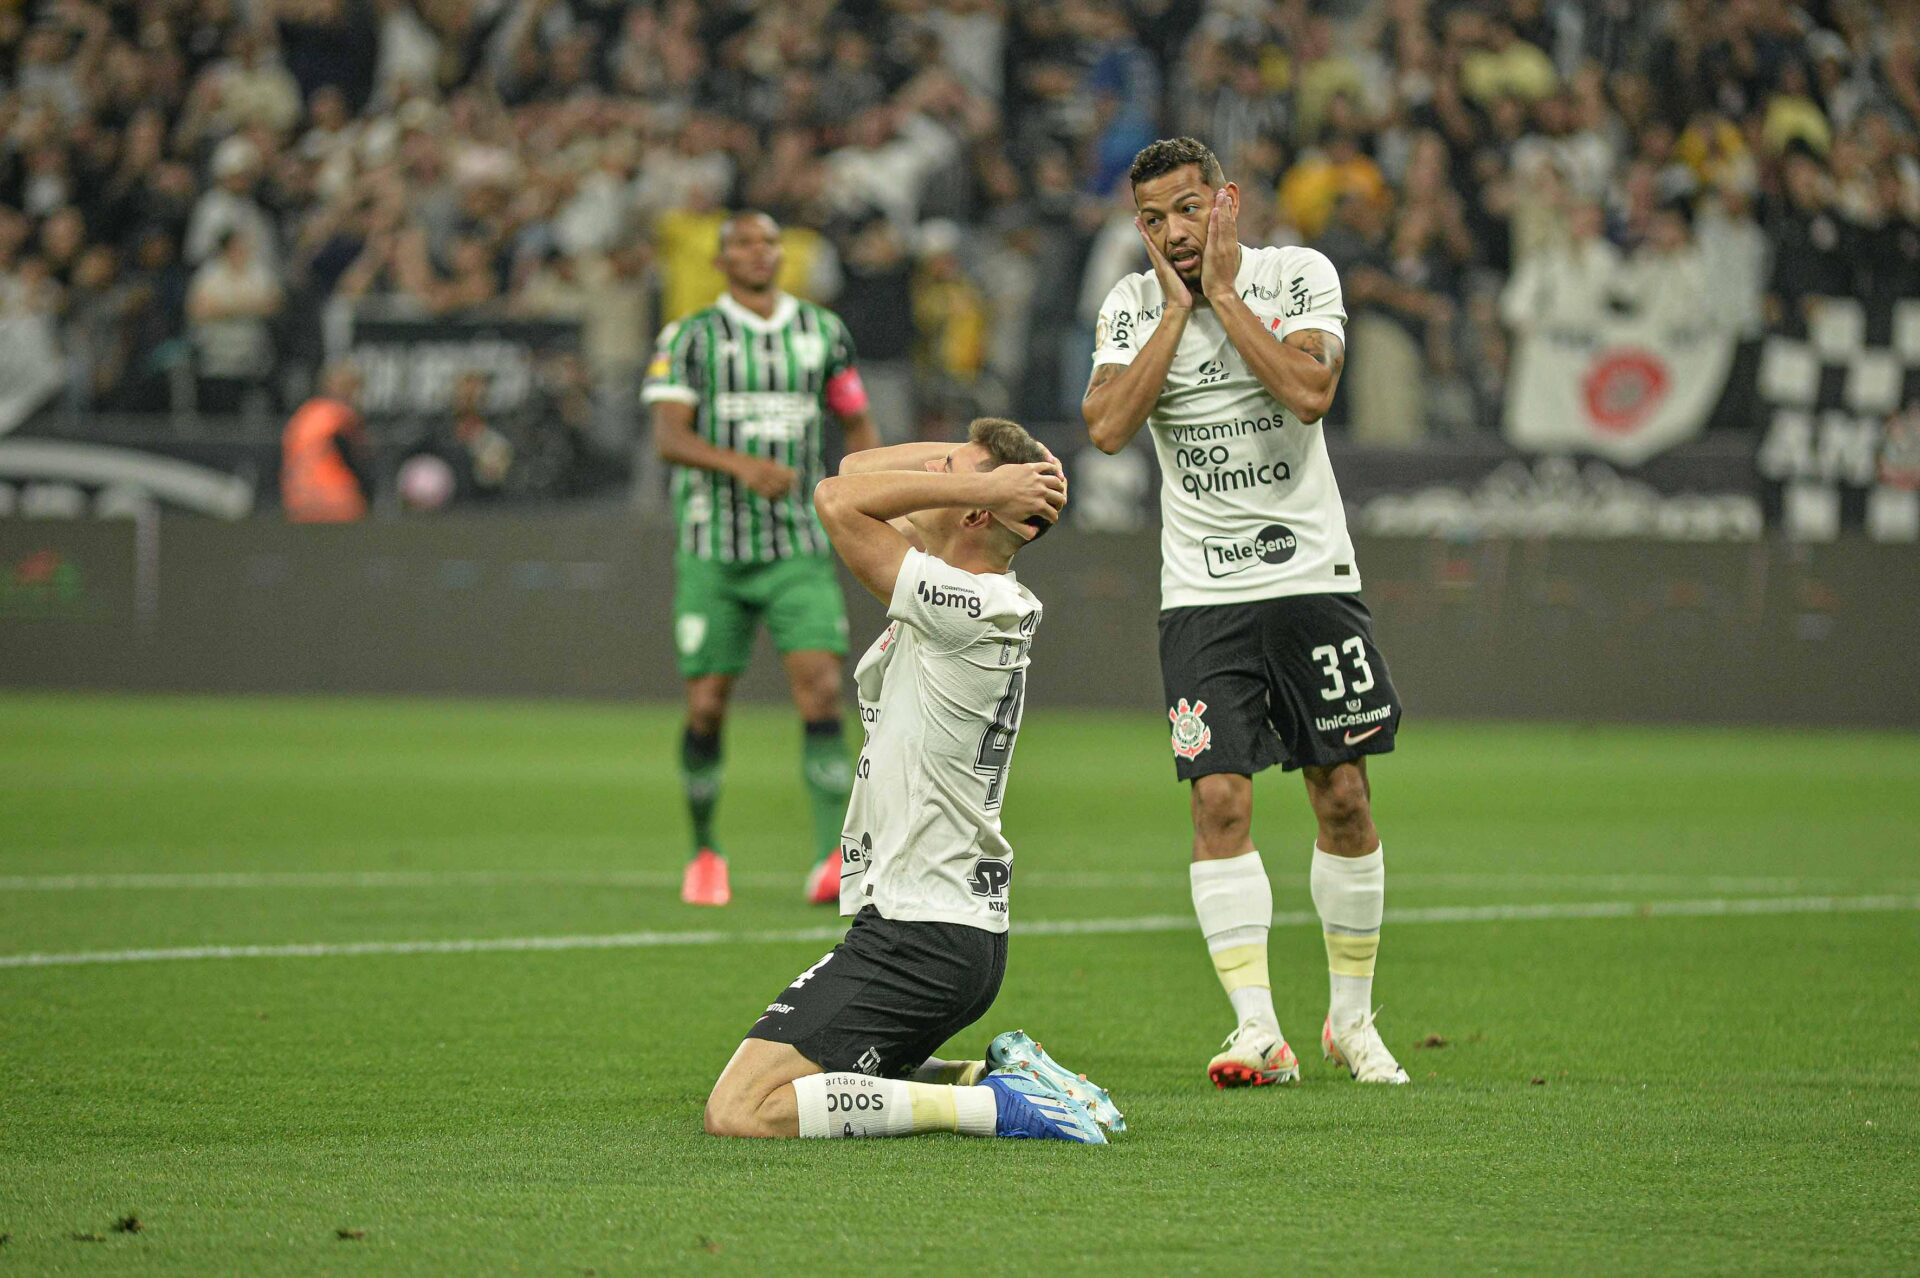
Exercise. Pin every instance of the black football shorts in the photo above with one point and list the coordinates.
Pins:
(1295, 681)
(888, 995)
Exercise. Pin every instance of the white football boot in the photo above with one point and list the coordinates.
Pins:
(1254, 1055)
(1356, 1047)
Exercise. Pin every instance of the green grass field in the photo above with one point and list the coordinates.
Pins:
(1668, 976)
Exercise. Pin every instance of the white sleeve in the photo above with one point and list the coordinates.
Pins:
(1116, 335)
(945, 605)
(1312, 295)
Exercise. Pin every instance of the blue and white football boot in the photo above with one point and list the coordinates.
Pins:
(1027, 1109)
(1015, 1053)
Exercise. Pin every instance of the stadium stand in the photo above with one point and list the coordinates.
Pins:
(198, 196)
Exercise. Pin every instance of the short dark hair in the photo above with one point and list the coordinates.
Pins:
(738, 216)
(1008, 444)
(1157, 159)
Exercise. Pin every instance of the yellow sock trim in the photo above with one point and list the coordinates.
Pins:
(1350, 955)
(952, 1073)
(933, 1108)
(1242, 965)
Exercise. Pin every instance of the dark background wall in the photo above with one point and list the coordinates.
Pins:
(578, 605)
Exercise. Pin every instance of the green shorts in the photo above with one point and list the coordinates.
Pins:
(716, 607)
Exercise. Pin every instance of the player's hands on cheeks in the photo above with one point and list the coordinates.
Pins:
(768, 478)
(1172, 287)
(1220, 259)
(1023, 491)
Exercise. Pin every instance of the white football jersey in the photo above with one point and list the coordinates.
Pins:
(1248, 504)
(941, 693)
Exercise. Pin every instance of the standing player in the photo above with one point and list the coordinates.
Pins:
(1266, 652)
(844, 1050)
(739, 393)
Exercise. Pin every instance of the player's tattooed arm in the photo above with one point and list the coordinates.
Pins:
(1301, 370)
(1327, 350)
(1101, 376)
(1120, 397)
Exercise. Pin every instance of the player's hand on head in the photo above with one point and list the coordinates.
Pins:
(769, 478)
(1027, 490)
(1057, 464)
(1172, 287)
(1220, 259)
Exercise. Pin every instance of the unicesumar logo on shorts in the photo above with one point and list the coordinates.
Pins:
(1191, 734)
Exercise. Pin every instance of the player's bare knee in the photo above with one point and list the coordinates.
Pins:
(1222, 816)
(706, 707)
(1343, 808)
(819, 696)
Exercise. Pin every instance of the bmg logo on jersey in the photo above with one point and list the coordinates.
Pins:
(990, 878)
(941, 597)
(1274, 544)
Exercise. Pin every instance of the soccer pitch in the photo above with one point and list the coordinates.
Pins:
(405, 987)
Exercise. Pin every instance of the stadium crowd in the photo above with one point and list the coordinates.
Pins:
(189, 188)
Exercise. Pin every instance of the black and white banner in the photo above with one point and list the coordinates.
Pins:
(410, 365)
(1841, 404)
(1624, 388)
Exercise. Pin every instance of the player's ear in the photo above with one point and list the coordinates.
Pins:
(1233, 196)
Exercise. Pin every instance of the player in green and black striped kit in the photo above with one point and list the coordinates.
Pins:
(740, 393)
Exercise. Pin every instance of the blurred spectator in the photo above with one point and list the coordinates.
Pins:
(876, 304)
(1811, 257)
(1496, 63)
(232, 303)
(97, 335)
(1736, 257)
(1399, 320)
(1568, 284)
(157, 286)
(1330, 172)
(229, 206)
(950, 323)
(1665, 277)
(468, 440)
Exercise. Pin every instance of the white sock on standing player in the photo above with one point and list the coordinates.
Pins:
(854, 1105)
(1350, 892)
(1234, 903)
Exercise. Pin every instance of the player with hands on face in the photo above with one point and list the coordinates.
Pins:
(1232, 356)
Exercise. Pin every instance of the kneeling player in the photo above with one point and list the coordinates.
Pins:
(931, 529)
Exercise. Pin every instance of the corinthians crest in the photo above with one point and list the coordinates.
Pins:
(1191, 734)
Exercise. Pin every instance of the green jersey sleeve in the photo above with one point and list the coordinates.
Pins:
(676, 375)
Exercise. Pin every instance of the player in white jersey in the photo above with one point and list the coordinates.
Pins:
(1230, 355)
(931, 529)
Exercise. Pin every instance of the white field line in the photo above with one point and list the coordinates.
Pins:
(1720, 907)
(357, 880)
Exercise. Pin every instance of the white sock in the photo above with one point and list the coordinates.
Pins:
(855, 1105)
(1234, 903)
(1350, 893)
